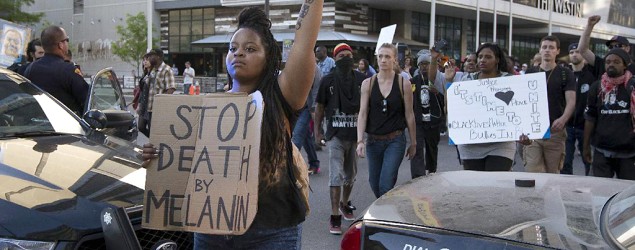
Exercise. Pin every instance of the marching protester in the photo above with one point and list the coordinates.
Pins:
(338, 98)
(585, 75)
(385, 111)
(159, 80)
(325, 62)
(429, 113)
(365, 68)
(547, 155)
(616, 42)
(143, 97)
(610, 120)
(253, 63)
(493, 156)
(303, 136)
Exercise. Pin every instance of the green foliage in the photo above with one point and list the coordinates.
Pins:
(11, 10)
(132, 43)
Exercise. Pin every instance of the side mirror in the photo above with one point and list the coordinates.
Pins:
(96, 119)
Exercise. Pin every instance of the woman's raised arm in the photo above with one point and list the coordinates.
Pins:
(297, 77)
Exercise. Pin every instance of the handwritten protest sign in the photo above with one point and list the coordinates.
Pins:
(206, 178)
(498, 109)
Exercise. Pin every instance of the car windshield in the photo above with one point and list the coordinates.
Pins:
(26, 111)
(621, 218)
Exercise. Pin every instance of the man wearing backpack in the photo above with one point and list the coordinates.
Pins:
(610, 120)
(547, 155)
(585, 75)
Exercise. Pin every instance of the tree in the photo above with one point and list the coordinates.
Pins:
(11, 10)
(132, 42)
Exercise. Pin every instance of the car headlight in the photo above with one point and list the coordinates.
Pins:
(11, 244)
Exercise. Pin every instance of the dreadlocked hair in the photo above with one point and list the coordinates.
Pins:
(274, 138)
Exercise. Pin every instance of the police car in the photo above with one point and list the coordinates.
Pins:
(499, 210)
(58, 171)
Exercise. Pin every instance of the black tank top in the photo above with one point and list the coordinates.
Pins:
(386, 115)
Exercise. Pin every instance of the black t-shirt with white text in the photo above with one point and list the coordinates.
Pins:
(612, 118)
(339, 124)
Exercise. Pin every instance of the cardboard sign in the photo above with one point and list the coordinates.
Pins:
(205, 179)
(385, 36)
(498, 109)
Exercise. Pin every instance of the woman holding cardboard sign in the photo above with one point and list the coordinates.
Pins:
(495, 156)
(253, 63)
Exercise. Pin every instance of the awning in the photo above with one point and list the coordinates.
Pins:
(324, 38)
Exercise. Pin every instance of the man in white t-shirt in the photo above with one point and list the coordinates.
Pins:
(188, 77)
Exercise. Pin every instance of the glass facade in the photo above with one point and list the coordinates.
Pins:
(186, 26)
(524, 48)
(449, 28)
(378, 19)
(420, 26)
(622, 12)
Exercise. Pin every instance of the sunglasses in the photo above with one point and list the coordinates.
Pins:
(614, 46)
(384, 106)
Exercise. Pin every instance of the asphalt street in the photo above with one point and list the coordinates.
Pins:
(315, 232)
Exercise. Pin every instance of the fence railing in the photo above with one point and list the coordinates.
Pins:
(208, 84)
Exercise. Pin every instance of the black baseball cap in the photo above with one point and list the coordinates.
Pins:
(573, 46)
(620, 39)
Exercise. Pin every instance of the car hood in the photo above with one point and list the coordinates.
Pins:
(54, 187)
(559, 211)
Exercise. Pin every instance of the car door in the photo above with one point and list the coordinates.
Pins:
(106, 96)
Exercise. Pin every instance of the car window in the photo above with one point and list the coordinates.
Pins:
(25, 109)
(105, 94)
(621, 218)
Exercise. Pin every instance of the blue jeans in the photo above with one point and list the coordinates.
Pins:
(384, 158)
(255, 238)
(302, 136)
(574, 134)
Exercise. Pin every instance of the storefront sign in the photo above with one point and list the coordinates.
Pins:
(561, 6)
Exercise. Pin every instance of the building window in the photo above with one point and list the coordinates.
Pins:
(78, 6)
(420, 26)
(524, 48)
(449, 28)
(487, 33)
(622, 13)
(378, 19)
(186, 26)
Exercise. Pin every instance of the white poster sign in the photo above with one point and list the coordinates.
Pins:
(385, 36)
(498, 109)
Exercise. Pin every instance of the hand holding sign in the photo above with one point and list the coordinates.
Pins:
(204, 175)
(498, 109)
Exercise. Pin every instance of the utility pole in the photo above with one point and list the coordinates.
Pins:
(510, 27)
(149, 24)
(267, 8)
